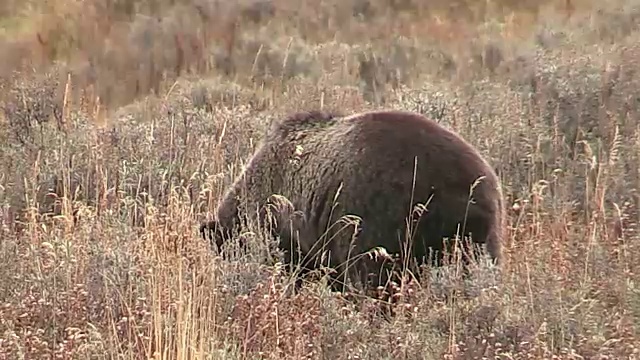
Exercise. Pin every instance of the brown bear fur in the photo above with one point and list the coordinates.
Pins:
(329, 166)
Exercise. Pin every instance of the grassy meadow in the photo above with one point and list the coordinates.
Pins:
(132, 117)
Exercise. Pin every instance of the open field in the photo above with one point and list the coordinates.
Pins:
(135, 116)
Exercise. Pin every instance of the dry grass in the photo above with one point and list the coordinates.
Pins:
(121, 123)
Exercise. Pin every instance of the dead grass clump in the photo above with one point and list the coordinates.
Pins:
(271, 324)
(74, 296)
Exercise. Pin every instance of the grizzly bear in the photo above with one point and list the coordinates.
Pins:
(340, 186)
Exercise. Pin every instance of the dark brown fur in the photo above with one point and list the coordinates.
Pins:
(366, 163)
